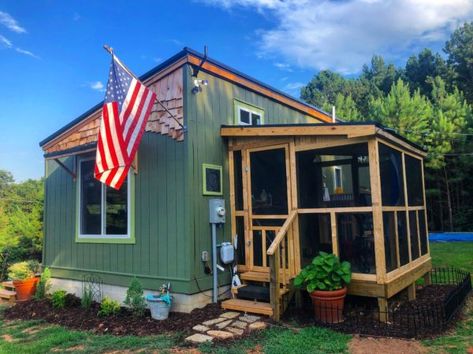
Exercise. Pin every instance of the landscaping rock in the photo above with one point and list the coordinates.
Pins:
(224, 324)
(200, 328)
(257, 325)
(213, 322)
(220, 334)
(230, 314)
(234, 330)
(239, 324)
(249, 318)
(198, 338)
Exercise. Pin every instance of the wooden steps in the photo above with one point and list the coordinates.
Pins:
(7, 295)
(255, 276)
(262, 308)
(8, 285)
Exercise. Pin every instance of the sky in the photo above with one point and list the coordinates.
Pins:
(53, 67)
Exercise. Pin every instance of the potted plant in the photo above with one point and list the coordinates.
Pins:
(24, 280)
(160, 304)
(325, 280)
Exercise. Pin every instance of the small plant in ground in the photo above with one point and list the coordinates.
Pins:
(87, 297)
(43, 285)
(325, 273)
(135, 298)
(20, 271)
(109, 307)
(58, 299)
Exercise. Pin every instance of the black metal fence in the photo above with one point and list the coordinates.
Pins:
(428, 315)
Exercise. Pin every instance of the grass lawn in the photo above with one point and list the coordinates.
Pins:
(460, 339)
(38, 337)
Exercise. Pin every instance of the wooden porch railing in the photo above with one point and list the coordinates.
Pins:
(281, 263)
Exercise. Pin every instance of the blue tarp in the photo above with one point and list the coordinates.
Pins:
(450, 236)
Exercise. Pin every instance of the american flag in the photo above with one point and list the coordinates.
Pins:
(125, 112)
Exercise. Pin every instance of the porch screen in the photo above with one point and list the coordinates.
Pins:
(334, 177)
(268, 182)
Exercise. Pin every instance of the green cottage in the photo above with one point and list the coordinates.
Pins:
(294, 183)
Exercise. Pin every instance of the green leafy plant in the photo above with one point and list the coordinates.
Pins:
(20, 271)
(87, 297)
(43, 285)
(326, 272)
(58, 299)
(135, 299)
(109, 307)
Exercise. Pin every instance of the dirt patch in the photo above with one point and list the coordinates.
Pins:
(363, 345)
(8, 338)
(124, 323)
(75, 348)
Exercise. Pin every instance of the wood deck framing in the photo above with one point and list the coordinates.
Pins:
(382, 285)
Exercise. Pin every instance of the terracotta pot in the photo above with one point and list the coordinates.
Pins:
(25, 289)
(328, 305)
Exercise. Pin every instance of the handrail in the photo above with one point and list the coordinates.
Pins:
(281, 233)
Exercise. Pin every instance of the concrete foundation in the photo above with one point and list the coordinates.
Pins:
(181, 303)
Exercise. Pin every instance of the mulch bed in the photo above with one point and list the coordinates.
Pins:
(406, 318)
(124, 323)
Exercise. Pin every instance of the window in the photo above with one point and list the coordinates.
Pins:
(356, 241)
(414, 180)
(390, 240)
(334, 177)
(392, 181)
(104, 213)
(247, 114)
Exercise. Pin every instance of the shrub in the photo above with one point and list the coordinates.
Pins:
(109, 307)
(326, 272)
(135, 299)
(20, 271)
(59, 299)
(43, 285)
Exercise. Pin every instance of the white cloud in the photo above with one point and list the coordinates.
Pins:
(97, 86)
(343, 35)
(9, 22)
(283, 66)
(293, 86)
(27, 52)
(5, 42)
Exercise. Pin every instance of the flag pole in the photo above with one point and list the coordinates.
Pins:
(110, 51)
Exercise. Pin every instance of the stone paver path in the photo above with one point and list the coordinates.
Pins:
(229, 325)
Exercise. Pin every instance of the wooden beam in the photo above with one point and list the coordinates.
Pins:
(399, 143)
(274, 262)
(282, 232)
(299, 130)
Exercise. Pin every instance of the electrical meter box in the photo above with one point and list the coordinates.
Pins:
(227, 252)
(216, 211)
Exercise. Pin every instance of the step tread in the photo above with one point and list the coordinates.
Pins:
(7, 293)
(255, 276)
(262, 308)
(8, 285)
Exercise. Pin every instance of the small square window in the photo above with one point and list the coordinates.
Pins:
(247, 114)
(244, 117)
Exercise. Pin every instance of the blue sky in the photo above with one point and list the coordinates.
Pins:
(53, 67)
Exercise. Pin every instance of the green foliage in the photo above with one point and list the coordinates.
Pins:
(58, 299)
(135, 299)
(459, 49)
(109, 307)
(326, 272)
(43, 285)
(87, 297)
(20, 271)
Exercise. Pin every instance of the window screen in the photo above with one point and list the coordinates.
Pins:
(402, 236)
(413, 234)
(414, 180)
(91, 200)
(390, 240)
(392, 182)
(237, 173)
(315, 235)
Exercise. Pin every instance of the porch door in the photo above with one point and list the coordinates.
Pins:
(268, 190)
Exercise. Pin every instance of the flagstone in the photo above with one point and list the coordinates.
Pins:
(200, 328)
(239, 324)
(230, 314)
(220, 334)
(224, 324)
(234, 330)
(257, 325)
(249, 318)
(213, 322)
(199, 338)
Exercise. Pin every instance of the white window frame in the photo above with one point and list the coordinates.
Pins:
(103, 235)
(242, 106)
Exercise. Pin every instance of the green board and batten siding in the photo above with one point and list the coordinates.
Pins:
(171, 213)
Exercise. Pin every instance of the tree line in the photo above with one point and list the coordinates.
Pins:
(429, 101)
(21, 219)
